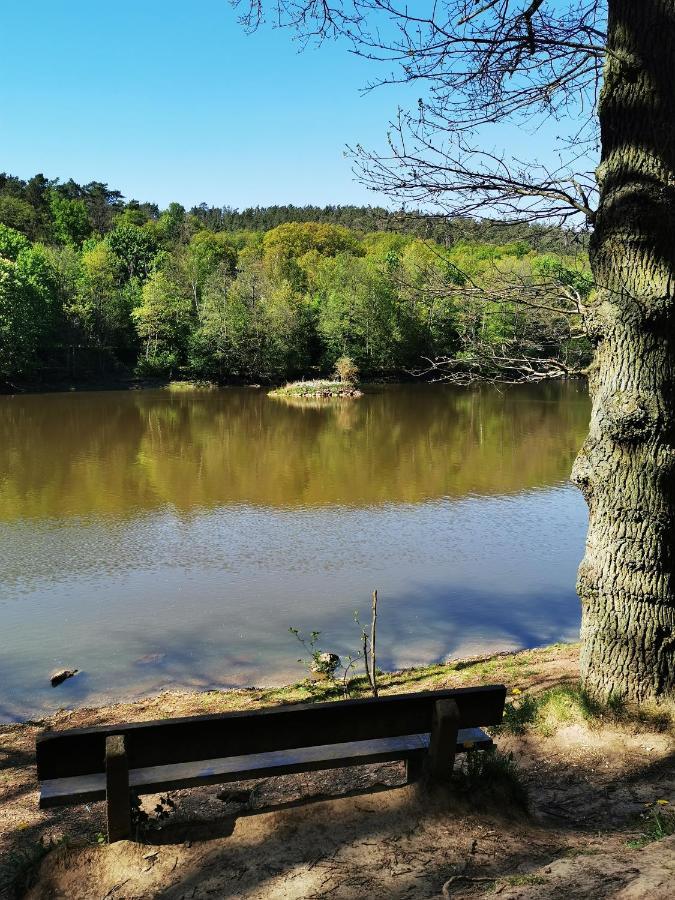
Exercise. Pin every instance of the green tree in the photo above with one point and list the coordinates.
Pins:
(357, 313)
(230, 340)
(251, 328)
(135, 247)
(27, 299)
(426, 283)
(101, 305)
(103, 204)
(284, 246)
(289, 323)
(12, 242)
(163, 321)
(70, 219)
(132, 214)
(17, 213)
(205, 255)
(172, 222)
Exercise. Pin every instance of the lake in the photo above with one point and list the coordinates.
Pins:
(167, 540)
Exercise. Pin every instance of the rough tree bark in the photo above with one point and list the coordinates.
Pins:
(626, 468)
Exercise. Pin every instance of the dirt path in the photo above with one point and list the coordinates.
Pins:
(590, 784)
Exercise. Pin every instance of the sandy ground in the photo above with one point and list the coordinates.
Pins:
(588, 787)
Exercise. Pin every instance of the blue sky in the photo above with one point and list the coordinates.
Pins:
(170, 100)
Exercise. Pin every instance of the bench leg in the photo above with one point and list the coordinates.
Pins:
(117, 789)
(414, 769)
(443, 743)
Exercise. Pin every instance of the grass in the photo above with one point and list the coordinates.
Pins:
(571, 705)
(494, 778)
(523, 880)
(503, 668)
(656, 824)
(177, 387)
(316, 389)
(518, 715)
(562, 706)
(19, 867)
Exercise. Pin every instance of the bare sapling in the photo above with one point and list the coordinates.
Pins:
(325, 666)
(369, 657)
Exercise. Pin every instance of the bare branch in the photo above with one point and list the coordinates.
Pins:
(481, 63)
(494, 368)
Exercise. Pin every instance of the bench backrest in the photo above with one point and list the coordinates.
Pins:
(81, 751)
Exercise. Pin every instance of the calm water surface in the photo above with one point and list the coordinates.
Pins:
(168, 540)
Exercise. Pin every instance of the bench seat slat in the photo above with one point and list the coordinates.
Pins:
(152, 779)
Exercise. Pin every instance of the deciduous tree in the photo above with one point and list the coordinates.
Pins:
(27, 291)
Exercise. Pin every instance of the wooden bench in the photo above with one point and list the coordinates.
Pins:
(107, 762)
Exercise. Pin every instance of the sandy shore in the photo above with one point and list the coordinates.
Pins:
(593, 786)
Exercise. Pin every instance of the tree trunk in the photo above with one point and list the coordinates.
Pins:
(626, 468)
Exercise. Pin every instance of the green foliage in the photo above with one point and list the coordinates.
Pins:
(203, 295)
(377, 220)
(574, 276)
(134, 214)
(492, 777)
(346, 370)
(172, 221)
(100, 306)
(27, 300)
(357, 312)
(11, 243)
(294, 239)
(656, 823)
(70, 219)
(135, 247)
(17, 213)
(207, 252)
(163, 320)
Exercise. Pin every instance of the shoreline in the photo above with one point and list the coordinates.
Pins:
(178, 385)
(132, 383)
(504, 665)
(128, 384)
(571, 798)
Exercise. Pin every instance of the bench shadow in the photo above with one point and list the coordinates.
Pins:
(215, 828)
(553, 827)
(594, 810)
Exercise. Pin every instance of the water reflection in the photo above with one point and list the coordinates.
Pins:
(124, 453)
(165, 541)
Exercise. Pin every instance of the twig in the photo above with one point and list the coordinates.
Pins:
(115, 887)
(373, 627)
(365, 654)
(368, 646)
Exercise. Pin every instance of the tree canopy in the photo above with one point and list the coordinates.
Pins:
(127, 288)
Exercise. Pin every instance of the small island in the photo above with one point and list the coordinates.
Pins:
(344, 385)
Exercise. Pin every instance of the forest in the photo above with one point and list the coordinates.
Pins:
(95, 288)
